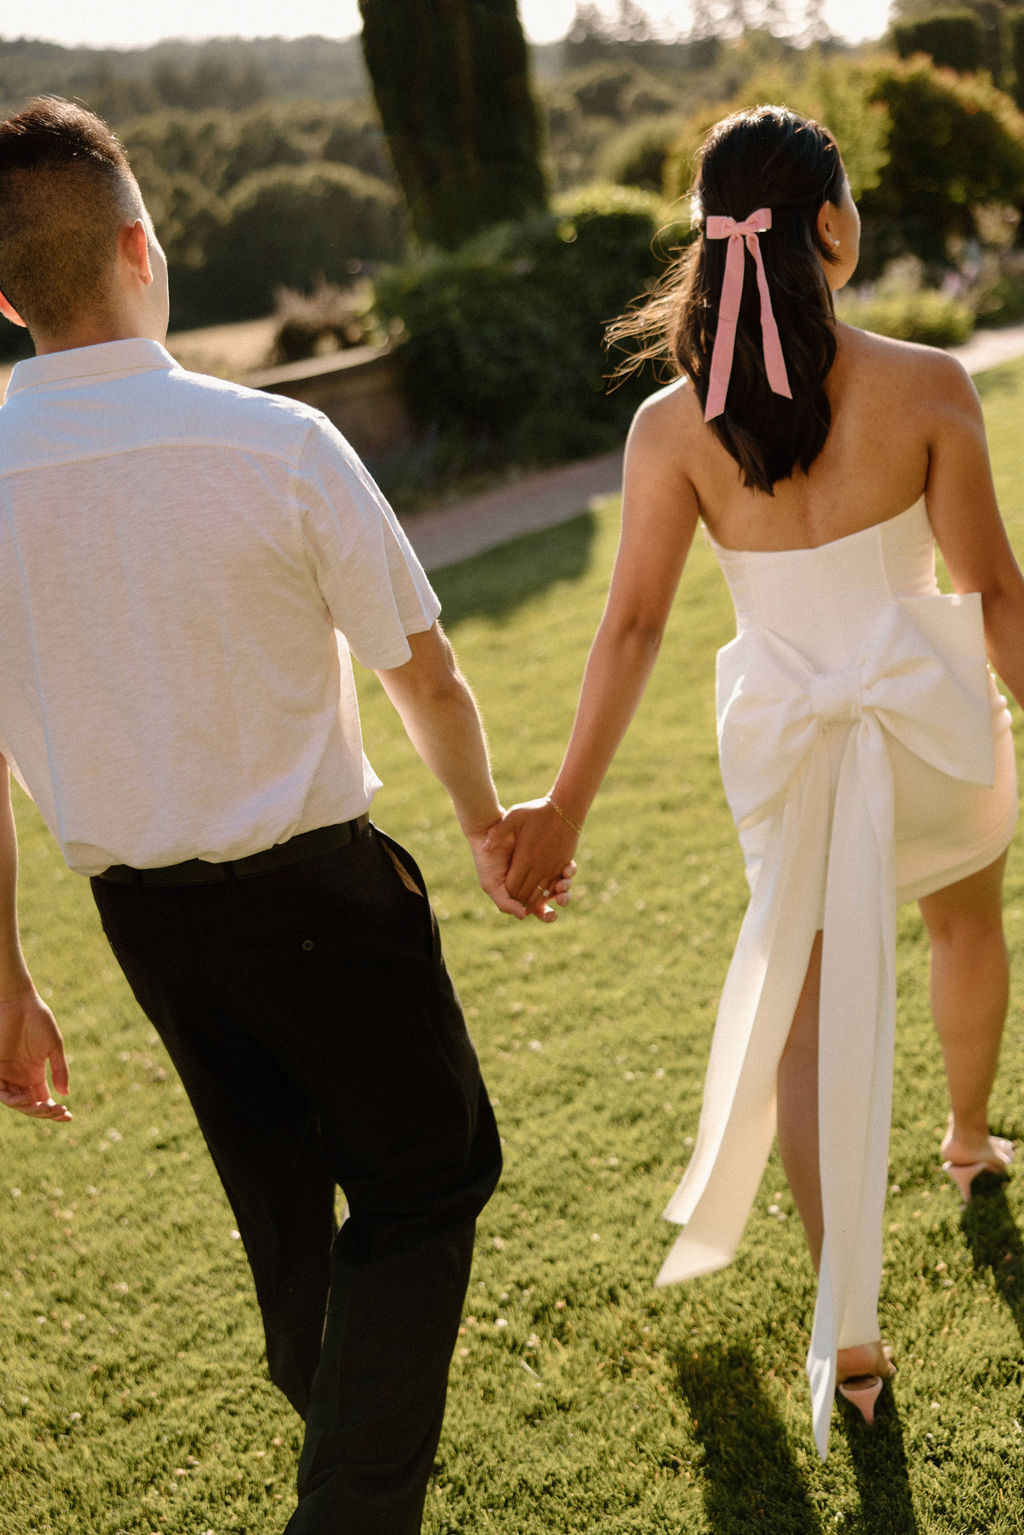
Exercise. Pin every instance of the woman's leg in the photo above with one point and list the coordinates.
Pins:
(798, 1107)
(969, 997)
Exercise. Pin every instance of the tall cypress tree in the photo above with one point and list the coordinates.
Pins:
(451, 83)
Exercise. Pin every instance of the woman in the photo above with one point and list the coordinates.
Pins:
(865, 751)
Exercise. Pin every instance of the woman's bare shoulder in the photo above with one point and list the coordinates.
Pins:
(669, 416)
(666, 442)
(668, 439)
(927, 369)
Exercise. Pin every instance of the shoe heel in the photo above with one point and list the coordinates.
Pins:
(963, 1175)
(862, 1392)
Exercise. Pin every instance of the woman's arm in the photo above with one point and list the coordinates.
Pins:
(659, 516)
(965, 518)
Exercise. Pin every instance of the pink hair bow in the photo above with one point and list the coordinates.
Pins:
(721, 227)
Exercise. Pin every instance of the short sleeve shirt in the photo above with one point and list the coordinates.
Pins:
(185, 567)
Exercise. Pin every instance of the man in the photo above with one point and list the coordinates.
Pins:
(184, 568)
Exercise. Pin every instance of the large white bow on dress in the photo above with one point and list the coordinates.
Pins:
(920, 678)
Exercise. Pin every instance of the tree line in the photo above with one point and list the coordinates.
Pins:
(466, 174)
(233, 73)
(271, 163)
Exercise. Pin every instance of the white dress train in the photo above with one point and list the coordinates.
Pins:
(867, 759)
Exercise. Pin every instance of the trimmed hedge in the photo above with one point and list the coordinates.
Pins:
(955, 144)
(503, 338)
(289, 227)
(930, 317)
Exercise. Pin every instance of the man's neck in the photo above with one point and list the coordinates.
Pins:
(90, 335)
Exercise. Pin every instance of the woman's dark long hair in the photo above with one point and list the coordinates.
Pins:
(765, 158)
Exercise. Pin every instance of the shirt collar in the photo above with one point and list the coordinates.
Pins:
(80, 363)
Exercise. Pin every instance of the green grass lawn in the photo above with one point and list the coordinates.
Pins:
(133, 1393)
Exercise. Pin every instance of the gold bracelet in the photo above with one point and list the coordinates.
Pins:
(567, 819)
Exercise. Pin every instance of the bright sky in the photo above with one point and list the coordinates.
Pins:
(111, 23)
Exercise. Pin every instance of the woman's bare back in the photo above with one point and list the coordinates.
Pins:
(889, 400)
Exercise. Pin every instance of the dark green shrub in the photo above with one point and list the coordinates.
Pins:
(620, 91)
(835, 93)
(929, 317)
(638, 155)
(267, 141)
(355, 138)
(221, 149)
(185, 215)
(604, 90)
(1000, 301)
(503, 338)
(200, 175)
(291, 227)
(950, 38)
(1014, 46)
(924, 149)
(955, 144)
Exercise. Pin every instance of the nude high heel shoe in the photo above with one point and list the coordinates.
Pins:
(963, 1174)
(863, 1391)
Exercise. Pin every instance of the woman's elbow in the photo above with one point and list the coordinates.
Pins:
(636, 638)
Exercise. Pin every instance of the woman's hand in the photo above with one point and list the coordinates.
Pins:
(540, 847)
(492, 850)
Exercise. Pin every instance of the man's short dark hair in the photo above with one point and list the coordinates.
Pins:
(66, 190)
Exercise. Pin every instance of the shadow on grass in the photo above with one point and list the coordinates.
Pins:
(995, 1242)
(500, 580)
(751, 1479)
(880, 1467)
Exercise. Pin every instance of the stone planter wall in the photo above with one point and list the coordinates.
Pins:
(360, 390)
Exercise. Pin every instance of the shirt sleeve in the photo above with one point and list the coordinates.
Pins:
(367, 571)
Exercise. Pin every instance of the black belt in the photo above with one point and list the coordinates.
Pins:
(198, 871)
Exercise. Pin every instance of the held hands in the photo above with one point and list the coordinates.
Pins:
(495, 850)
(537, 847)
(29, 1042)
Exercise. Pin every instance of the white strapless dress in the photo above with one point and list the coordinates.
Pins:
(867, 759)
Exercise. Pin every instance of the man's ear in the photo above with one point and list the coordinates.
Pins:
(10, 313)
(133, 246)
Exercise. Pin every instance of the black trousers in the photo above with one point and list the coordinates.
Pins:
(312, 1021)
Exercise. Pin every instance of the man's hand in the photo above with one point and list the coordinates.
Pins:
(30, 1041)
(492, 851)
(537, 844)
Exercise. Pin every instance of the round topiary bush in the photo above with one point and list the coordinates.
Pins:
(290, 227)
